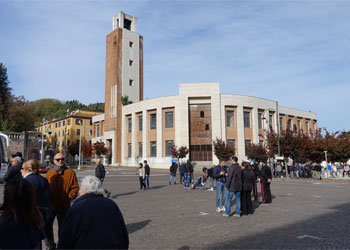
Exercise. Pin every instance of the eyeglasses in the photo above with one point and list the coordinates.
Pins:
(59, 159)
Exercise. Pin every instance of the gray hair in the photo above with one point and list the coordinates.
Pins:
(18, 159)
(91, 184)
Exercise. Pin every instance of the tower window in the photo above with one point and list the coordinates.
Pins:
(131, 82)
(127, 24)
(206, 127)
(202, 114)
(131, 62)
(131, 44)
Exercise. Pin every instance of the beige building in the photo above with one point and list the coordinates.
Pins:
(194, 118)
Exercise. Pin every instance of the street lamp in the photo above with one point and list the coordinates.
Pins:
(79, 167)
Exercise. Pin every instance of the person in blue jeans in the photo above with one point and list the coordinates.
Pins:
(220, 177)
(234, 187)
(147, 171)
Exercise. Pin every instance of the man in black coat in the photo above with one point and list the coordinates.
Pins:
(14, 168)
(147, 172)
(256, 176)
(100, 173)
(93, 221)
(265, 179)
(234, 187)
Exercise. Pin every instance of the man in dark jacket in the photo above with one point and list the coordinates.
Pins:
(93, 221)
(220, 177)
(190, 171)
(100, 173)
(265, 179)
(14, 168)
(234, 187)
(182, 172)
(147, 172)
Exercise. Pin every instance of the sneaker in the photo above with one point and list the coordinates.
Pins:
(218, 210)
(237, 215)
(223, 209)
(226, 215)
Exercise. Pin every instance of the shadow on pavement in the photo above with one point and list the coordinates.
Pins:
(184, 248)
(313, 233)
(117, 195)
(158, 187)
(133, 227)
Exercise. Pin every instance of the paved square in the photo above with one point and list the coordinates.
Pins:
(303, 214)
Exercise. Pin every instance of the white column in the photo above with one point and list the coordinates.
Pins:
(159, 132)
(144, 134)
(240, 134)
(124, 129)
(255, 125)
(133, 135)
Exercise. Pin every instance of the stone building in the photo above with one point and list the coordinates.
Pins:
(147, 129)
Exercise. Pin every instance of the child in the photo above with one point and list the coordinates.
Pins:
(201, 180)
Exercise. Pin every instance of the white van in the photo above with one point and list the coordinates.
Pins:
(4, 143)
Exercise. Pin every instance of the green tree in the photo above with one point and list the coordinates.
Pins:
(5, 96)
(21, 115)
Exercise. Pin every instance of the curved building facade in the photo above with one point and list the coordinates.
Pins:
(147, 129)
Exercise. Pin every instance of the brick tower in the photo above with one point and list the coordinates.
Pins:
(124, 77)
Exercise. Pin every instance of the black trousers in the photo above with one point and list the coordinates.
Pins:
(60, 214)
(255, 190)
(266, 192)
(142, 183)
(246, 202)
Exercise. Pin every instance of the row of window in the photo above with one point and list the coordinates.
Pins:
(63, 123)
(61, 132)
(230, 122)
(169, 121)
(153, 148)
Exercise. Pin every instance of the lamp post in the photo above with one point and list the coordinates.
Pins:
(42, 141)
(79, 167)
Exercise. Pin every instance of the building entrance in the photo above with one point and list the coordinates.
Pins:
(200, 132)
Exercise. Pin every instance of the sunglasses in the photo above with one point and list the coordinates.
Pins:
(59, 159)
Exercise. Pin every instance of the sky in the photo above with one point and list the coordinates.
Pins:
(293, 52)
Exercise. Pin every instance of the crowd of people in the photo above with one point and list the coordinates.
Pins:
(236, 182)
(32, 202)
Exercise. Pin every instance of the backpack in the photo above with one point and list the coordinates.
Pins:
(211, 172)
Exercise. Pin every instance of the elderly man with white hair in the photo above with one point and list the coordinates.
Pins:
(93, 221)
(14, 168)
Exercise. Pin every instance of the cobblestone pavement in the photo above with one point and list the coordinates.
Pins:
(303, 214)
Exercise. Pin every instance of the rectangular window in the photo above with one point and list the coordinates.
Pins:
(97, 130)
(131, 62)
(90, 122)
(153, 148)
(247, 142)
(153, 121)
(307, 128)
(68, 121)
(140, 149)
(90, 132)
(169, 119)
(281, 124)
(63, 123)
(168, 146)
(232, 142)
(290, 124)
(140, 123)
(299, 125)
(78, 131)
(230, 114)
(129, 150)
(131, 82)
(261, 142)
(78, 121)
(246, 119)
(260, 120)
(129, 125)
(270, 121)
(131, 44)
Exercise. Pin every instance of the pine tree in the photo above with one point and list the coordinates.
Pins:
(5, 94)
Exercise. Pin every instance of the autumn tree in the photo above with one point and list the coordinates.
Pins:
(99, 149)
(179, 153)
(256, 152)
(222, 150)
(86, 148)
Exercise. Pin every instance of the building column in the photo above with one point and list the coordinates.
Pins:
(240, 134)
(144, 134)
(123, 144)
(255, 126)
(159, 132)
(133, 135)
